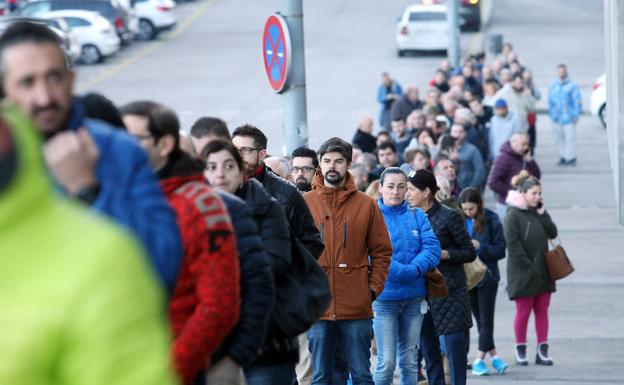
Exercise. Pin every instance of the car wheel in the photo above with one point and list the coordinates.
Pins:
(90, 54)
(147, 31)
(602, 114)
(401, 52)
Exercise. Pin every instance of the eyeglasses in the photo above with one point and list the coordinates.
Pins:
(247, 150)
(304, 169)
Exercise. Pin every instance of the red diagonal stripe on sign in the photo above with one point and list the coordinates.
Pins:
(274, 48)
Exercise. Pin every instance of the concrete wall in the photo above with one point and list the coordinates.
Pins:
(614, 44)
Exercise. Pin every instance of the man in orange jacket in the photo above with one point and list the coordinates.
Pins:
(352, 228)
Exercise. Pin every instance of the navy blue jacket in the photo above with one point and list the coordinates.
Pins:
(257, 287)
(415, 250)
(130, 194)
(491, 247)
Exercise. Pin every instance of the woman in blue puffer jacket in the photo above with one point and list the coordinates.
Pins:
(400, 308)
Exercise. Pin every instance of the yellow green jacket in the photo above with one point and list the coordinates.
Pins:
(78, 304)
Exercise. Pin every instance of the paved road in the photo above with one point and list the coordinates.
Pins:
(213, 66)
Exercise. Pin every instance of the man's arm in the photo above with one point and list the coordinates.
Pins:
(130, 194)
(379, 249)
(479, 167)
(496, 180)
(305, 228)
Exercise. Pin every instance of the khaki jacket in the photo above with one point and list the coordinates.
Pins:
(352, 228)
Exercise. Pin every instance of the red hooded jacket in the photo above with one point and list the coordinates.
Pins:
(206, 299)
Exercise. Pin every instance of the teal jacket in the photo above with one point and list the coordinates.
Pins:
(79, 302)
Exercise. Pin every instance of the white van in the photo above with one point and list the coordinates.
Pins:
(422, 27)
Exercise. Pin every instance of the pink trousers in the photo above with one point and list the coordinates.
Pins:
(539, 305)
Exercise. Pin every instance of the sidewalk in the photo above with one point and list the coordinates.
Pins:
(586, 334)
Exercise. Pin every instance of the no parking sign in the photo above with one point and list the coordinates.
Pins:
(276, 51)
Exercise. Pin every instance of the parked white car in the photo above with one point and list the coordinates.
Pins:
(96, 36)
(422, 27)
(598, 104)
(154, 16)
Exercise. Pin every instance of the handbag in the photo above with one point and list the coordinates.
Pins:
(436, 285)
(475, 271)
(303, 294)
(557, 262)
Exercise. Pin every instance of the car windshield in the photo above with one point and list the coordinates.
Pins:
(102, 7)
(427, 16)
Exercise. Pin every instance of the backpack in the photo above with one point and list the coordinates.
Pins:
(303, 293)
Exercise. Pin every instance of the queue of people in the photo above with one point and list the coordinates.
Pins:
(144, 233)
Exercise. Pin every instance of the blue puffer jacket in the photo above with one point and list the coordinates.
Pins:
(415, 250)
(130, 194)
(564, 102)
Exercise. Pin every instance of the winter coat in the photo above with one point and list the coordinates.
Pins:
(452, 314)
(519, 103)
(492, 247)
(564, 102)
(129, 193)
(365, 141)
(401, 143)
(353, 229)
(273, 230)
(479, 139)
(415, 250)
(471, 169)
(386, 105)
(501, 130)
(527, 233)
(295, 209)
(257, 287)
(403, 107)
(506, 165)
(80, 304)
(205, 302)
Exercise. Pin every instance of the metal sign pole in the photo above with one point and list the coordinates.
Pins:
(453, 26)
(294, 108)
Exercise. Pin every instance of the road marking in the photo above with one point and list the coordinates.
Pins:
(147, 50)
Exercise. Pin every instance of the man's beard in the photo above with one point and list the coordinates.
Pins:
(518, 89)
(250, 168)
(333, 177)
(303, 185)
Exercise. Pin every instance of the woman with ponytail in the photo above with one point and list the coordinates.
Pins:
(527, 230)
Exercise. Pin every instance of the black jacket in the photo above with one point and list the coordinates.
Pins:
(403, 107)
(365, 141)
(257, 287)
(295, 208)
(273, 229)
(492, 247)
(452, 314)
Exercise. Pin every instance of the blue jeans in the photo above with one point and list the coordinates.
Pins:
(397, 332)
(455, 348)
(355, 338)
(271, 374)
